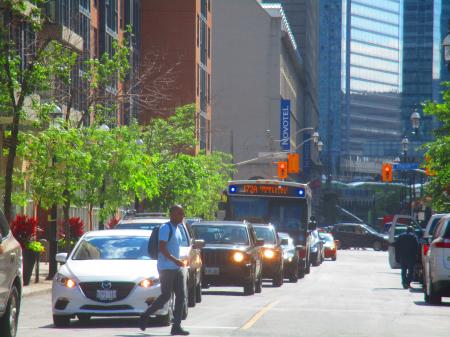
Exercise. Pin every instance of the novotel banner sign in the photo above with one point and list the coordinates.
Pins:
(285, 125)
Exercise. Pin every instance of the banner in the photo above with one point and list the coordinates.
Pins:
(285, 125)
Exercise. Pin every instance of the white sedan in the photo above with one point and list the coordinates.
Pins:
(108, 273)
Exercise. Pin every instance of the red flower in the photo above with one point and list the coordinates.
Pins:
(24, 229)
(112, 223)
(76, 227)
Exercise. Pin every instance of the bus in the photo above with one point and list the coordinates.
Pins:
(286, 205)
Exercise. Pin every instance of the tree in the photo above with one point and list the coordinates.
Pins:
(27, 67)
(438, 153)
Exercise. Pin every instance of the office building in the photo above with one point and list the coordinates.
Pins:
(257, 64)
(177, 34)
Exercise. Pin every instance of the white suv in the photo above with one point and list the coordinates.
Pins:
(426, 240)
(437, 270)
(10, 280)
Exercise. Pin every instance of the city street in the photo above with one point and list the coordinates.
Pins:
(358, 295)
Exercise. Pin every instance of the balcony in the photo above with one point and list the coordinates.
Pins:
(63, 34)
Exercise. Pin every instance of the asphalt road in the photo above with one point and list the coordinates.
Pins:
(358, 295)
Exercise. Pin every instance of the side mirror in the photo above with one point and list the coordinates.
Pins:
(198, 244)
(61, 257)
(284, 242)
(259, 242)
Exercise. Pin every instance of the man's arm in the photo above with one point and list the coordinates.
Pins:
(165, 252)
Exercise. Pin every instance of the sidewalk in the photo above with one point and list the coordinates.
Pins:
(43, 286)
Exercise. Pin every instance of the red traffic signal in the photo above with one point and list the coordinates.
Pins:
(386, 172)
(282, 170)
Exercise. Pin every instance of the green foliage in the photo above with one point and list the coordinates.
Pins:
(438, 153)
(35, 246)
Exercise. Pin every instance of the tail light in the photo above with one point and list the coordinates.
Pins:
(425, 248)
(441, 244)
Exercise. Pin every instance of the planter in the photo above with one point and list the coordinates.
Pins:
(29, 260)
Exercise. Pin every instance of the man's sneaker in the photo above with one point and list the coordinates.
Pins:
(142, 323)
(177, 330)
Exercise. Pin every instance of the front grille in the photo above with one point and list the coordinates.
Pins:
(106, 307)
(215, 257)
(90, 290)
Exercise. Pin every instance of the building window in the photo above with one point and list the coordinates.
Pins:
(209, 5)
(198, 30)
(203, 46)
(95, 49)
(198, 79)
(209, 89)
(209, 43)
(204, 8)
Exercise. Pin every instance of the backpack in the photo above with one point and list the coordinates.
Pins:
(153, 243)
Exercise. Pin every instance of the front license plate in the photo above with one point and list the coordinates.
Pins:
(106, 295)
(211, 271)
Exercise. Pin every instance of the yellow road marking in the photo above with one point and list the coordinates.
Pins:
(258, 315)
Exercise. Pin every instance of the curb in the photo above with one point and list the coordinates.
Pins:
(36, 292)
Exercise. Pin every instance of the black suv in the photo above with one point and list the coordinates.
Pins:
(355, 235)
(10, 280)
(273, 262)
(232, 255)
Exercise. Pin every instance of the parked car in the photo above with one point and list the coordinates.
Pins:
(437, 269)
(290, 256)
(10, 280)
(190, 251)
(108, 273)
(355, 235)
(273, 262)
(329, 244)
(426, 240)
(232, 255)
(317, 251)
(399, 225)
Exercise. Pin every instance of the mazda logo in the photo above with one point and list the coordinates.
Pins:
(106, 285)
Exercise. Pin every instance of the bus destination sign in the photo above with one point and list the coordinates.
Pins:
(267, 190)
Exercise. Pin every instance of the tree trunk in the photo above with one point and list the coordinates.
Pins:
(90, 216)
(7, 203)
(66, 215)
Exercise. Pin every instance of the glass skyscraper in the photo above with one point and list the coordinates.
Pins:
(371, 79)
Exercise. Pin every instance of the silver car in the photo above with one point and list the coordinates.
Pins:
(10, 280)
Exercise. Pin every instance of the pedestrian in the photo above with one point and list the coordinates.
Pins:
(406, 249)
(171, 273)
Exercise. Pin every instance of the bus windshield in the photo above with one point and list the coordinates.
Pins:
(283, 213)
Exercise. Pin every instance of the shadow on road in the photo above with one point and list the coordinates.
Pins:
(381, 289)
(107, 323)
(425, 304)
(416, 290)
(222, 293)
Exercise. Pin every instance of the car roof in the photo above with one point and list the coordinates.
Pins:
(233, 223)
(144, 220)
(118, 232)
(262, 225)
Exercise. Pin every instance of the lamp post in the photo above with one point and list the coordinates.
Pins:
(415, 120)
(101, 223)
(53, 216)
(446, 47)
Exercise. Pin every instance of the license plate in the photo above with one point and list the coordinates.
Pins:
(106, 295)
(211, 271)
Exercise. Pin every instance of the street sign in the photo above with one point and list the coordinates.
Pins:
(405, 166)
(285, 125)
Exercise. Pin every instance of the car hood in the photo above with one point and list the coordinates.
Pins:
(216, 246)
(111, 270)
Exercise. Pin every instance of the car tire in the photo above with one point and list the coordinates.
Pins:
(249, 287)
(61, 321)
(434, 297)
(316, 260)
(377, 246)
(277, 281)
(334, 258)
(84, 317)
(192, 296)
(198, 293)
(9, 321)
(307, 266)
(258, 285)
(294, 275)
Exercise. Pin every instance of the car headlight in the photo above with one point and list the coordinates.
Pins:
(65, 281)
(269, 253)
(238, 257)
(314, 249)
(147, 283)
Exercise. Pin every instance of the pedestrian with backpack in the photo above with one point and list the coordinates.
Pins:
(170, 268)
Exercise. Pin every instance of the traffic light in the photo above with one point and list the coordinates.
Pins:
(386, 172)
(293, 163)
(282, 169)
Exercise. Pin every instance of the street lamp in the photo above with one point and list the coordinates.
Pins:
(315, 138)
(405, 145)
(446, 46)
(415, 120)
(320, 146)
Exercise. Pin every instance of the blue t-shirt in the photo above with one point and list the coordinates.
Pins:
(173, 245)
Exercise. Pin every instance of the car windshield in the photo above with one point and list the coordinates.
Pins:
(113, 248)
(370, 229)
(150, 226)
(326, 237)
(222, 234)
(434, 225)
(267, 234)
